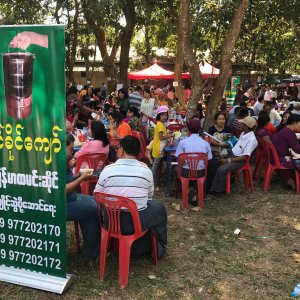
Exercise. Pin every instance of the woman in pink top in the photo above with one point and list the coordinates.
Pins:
(100, 142)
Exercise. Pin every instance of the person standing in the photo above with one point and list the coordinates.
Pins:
(148, 104)
(258, 106)
(118, 128)
(136, 97)
(269, 108)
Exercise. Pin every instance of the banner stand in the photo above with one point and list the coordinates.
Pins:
(35, 280)
(33, 165)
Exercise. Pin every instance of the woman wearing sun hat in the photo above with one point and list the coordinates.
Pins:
(160, 140)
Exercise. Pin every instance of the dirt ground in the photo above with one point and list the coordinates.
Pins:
(205, 259)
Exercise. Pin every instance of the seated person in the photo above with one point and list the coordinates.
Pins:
(262, 133)
(118, 128)
(217, 170)
(284, 118)
(219, 128)
(133, 119)
(285, 139)
(220, 124)
(82, 208)
(233, 114)
(296, 107)
(100, 142)
(261, 130)
(237, 126)
(244, 105)
(194, 143)
(274, 115)
(131, 178)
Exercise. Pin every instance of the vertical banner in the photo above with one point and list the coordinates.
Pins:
(230, 90)
(33, 156)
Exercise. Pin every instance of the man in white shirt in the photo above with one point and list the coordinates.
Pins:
(269, 108)
(268, 94)
(258, 106)
(131, 178)
(240, 153)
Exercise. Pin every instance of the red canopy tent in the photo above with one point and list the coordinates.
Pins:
(153, 72)
(207, 71)
(157, 72)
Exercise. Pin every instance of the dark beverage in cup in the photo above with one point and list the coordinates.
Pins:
(18, 76)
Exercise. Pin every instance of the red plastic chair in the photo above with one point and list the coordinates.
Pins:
(143, 150)
(92, 161)
(274, 164)
(261, 159)
(113, 204)
(192, 159)
(248, 181)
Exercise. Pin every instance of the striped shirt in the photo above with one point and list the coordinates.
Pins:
(128, 178)
(135, 99)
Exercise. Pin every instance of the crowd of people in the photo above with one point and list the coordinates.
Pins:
(257, 114)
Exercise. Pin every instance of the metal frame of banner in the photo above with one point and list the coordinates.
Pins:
(35, 280)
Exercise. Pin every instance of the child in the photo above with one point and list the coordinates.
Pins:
(159, 141)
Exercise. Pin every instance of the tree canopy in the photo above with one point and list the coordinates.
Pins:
(268, 41)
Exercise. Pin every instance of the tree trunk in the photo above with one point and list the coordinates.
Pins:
(148, 46)
(74, 42)
(179, 64)
(128, 8)
(190, 59)
(226, 63)
(110, 70)
(173, 8)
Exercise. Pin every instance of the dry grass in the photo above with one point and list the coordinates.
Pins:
(205, 260)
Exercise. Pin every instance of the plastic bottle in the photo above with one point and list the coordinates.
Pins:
(296, 292)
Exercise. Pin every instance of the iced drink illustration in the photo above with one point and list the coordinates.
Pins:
(18, 76)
